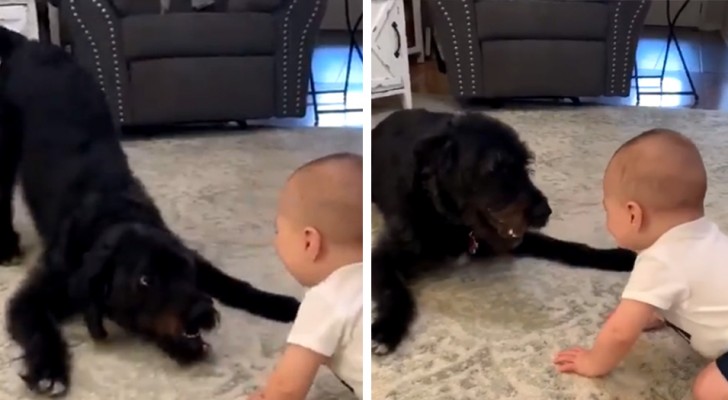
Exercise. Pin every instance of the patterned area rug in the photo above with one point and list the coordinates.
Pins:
(490, 330)
(218, 191)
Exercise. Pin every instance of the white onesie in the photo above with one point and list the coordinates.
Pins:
(329, 322)
(685, 275)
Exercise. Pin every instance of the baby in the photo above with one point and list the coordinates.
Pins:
(319, 233)
(654, 189)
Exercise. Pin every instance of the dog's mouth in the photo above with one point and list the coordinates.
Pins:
(507, 227)
(510, 232)
(199, 321)
(192, 335)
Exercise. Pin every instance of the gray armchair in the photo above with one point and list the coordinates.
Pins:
(538, 48)
(231, 61)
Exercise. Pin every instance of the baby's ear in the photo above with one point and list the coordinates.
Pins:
(313, 242)
(635, 214)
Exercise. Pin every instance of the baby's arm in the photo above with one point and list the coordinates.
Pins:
(293, 375)
(620, 332)
(655, 323)
(614, 341)
(312, 340)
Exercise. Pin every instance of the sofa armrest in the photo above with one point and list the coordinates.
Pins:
(456, 32)
(95, 31)
(298, 26)
(626, 19)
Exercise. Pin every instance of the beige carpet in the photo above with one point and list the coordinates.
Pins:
(219, 193)
(490, 330)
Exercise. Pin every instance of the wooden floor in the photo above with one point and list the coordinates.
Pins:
(706, 55)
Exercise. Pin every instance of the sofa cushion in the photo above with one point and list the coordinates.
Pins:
(198, 34)
(542, 19)
(565, 68)
(253, 5)
(136, 7)
(202, 89)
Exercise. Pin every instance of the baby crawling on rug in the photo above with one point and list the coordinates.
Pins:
(654, 190)
(319, 233)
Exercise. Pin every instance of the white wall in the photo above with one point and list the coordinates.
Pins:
(334, 18)
(690, 17)
(706, 15)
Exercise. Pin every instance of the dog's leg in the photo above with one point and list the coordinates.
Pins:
(32, 317)
(9, 159)
(575, 254)
(395, 305)
(94, 319)
(244, 296)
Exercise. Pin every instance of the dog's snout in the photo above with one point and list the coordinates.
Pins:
(542, 211)
(202, 314)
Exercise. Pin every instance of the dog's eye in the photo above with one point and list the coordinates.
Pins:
(144, 281)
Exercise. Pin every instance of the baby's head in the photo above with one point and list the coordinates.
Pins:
(654, 182)
(319, 226)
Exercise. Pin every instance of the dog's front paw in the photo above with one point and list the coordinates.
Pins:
(621, 259)
(10, 253)
(47, 370)
(384, 341)
(185, 350)
(284, 308)
(95, 324)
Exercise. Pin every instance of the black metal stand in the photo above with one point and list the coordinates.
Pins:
(671, 23)
(353, 45)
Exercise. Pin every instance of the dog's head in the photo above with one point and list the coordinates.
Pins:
(145, 280)
(477, 171)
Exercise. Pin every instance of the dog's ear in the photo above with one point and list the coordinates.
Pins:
(436, 154)
(89, 282)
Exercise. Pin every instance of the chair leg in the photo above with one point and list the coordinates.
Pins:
(314, 100)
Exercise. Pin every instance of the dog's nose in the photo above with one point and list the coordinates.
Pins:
(202, 315)
(542, 211)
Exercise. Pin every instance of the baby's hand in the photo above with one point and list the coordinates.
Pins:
(654, 324)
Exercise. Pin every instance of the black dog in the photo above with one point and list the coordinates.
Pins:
(448, 185)
(107, 251)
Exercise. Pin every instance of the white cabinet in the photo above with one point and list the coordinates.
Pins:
(20, 16)
(389, 54)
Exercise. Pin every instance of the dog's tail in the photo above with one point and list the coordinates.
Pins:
(9, 41)
(244, 296)
(574, 254)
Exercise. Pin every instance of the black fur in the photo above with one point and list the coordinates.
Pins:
(107, 252)
(448, 185)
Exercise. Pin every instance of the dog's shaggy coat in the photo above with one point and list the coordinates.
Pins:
(452, 185)
(107, 251)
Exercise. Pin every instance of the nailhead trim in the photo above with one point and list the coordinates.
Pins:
(459, 72)
(95, 50)
(301, 47)
(297, 56)
(471, 54)
(615, 43)
(91, 41)
(285, 56)
(625, 72)
(624, 75)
